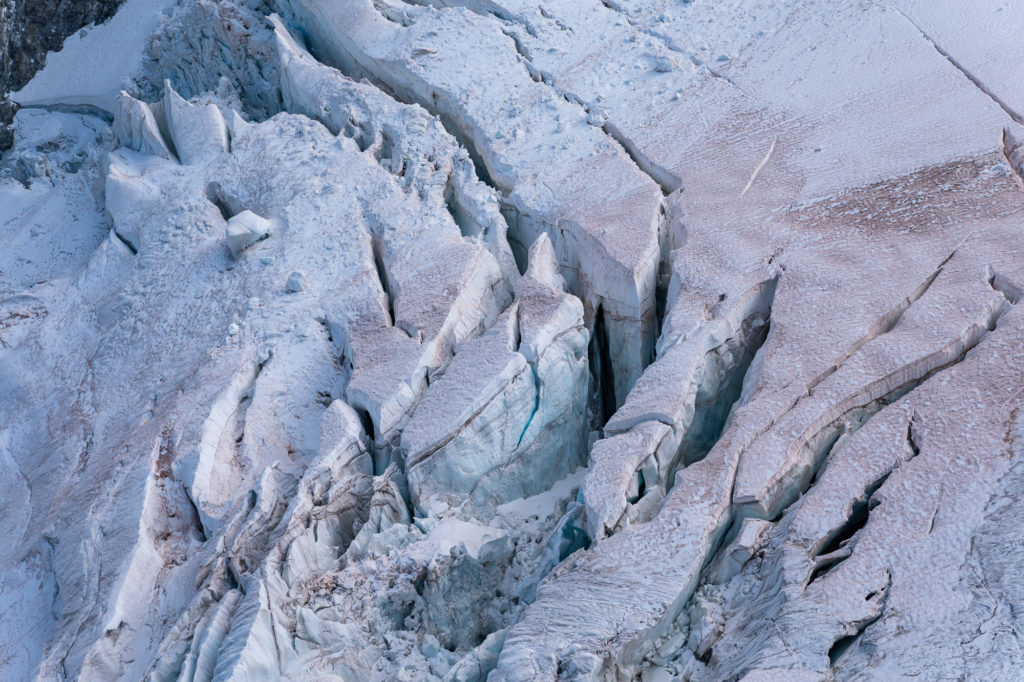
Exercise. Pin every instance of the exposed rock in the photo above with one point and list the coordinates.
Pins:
(28, 30)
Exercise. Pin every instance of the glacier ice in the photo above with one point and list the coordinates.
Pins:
(492, 340)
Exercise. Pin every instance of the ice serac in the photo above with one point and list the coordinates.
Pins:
(417, 336)
(677, 410)
(215, 412)
(559, 174)
(197, 131)
(136, 127)
(508, 416)
(301, 539)
(840, 348)
(245, 229)
(406, 139)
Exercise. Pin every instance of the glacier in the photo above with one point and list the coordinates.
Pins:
(494, 340)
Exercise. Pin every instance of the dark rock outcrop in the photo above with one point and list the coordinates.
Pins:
(28, 30)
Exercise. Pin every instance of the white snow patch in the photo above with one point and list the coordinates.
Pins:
(545, 503)
(94, 63)
(453, 532)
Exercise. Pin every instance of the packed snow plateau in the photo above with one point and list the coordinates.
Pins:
(477, 340)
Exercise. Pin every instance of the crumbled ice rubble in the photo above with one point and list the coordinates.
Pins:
(382, 340)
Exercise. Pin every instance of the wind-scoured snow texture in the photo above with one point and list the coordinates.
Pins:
(277, 401)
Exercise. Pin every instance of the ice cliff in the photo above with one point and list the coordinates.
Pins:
(486, 340)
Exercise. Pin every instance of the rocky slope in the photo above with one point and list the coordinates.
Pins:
(28, 30)
(494, 340)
